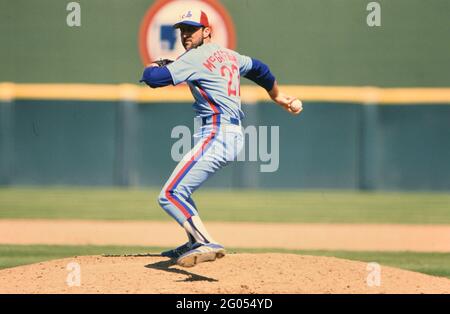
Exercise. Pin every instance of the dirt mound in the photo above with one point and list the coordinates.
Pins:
(236, 273)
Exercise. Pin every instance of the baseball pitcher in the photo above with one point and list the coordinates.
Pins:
(213, 75)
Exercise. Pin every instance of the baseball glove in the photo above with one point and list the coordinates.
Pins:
(163, 62)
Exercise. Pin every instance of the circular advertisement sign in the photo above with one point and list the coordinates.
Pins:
(159, 40)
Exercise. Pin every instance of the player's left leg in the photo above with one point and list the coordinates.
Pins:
(178, 251)
(195, 168)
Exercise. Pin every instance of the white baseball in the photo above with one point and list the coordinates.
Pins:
(296, 106)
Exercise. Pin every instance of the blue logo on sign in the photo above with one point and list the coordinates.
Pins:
(168, 37)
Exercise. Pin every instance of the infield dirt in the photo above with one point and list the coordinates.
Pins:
(352, 237)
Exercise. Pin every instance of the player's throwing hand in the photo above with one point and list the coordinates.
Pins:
(290, 103)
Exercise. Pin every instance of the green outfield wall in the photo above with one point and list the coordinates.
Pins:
(331, 145)
(307, 42)
(339, 142)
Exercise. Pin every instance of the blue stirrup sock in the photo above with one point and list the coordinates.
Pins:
(194, 226)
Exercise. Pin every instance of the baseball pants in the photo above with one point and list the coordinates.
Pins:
(218, 143)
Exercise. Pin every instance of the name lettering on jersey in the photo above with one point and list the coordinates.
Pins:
(219, 56)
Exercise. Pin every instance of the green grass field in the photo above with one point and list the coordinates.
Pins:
(220, 205)
(428, 263)
(237, 205)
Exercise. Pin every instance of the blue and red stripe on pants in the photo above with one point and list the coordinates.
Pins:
(175, 196)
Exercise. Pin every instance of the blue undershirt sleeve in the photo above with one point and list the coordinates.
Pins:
(261, 75)
(156, 77)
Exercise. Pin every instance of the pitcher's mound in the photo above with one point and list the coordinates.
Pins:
(236, 273)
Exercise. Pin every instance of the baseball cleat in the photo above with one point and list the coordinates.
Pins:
(202, 253)
(177, 252)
